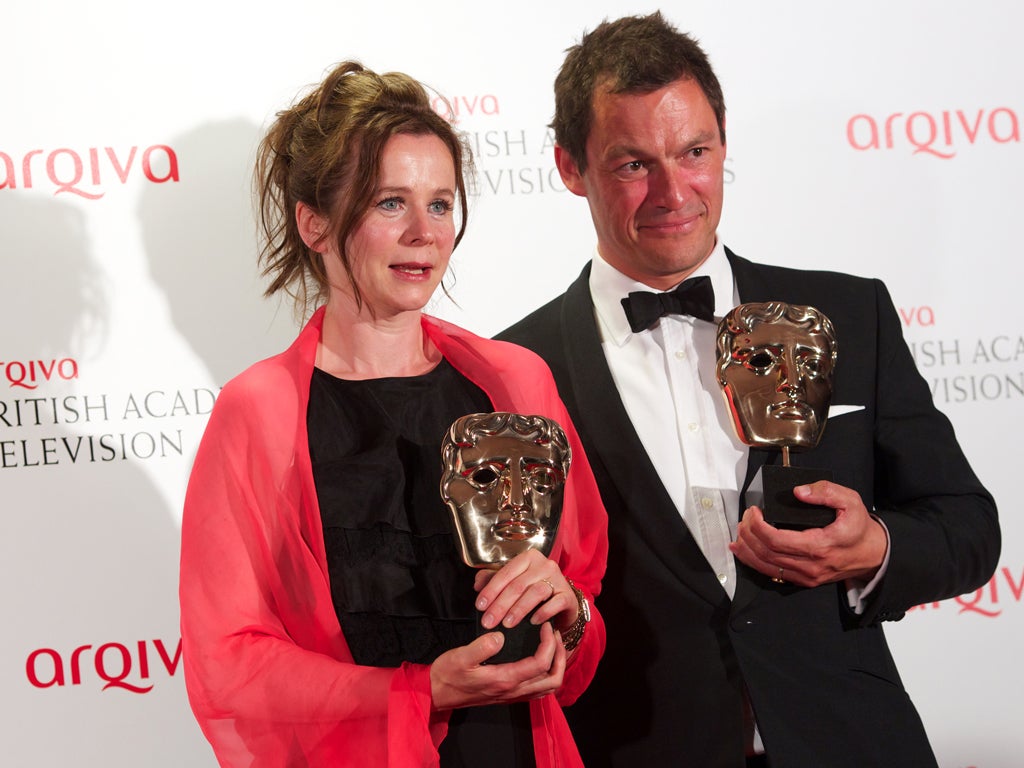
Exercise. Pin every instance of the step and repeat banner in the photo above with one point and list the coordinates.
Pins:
(877, 138)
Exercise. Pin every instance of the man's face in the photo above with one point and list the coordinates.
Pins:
(779, 385)
(654, 179)
(506, 493)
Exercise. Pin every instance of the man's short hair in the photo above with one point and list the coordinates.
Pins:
(634, 54)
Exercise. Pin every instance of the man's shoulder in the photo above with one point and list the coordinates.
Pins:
(543, 321)
(542, 328)
(745, 268)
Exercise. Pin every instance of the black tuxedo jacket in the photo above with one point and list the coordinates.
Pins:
(670, 689)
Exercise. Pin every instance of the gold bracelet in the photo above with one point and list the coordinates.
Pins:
(574, 633)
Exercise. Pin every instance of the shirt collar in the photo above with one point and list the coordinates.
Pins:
(608, 287)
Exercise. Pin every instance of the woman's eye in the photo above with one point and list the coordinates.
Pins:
(390, 204)
(440, 207)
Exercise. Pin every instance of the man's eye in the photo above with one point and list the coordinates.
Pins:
(632, 168)
(483, 477)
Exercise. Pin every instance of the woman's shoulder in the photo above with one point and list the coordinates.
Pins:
(268, 390)
(500, 354)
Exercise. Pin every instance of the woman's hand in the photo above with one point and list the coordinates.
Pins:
(525, 582)
(460, 678)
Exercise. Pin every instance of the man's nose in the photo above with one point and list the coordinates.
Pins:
(669, 187)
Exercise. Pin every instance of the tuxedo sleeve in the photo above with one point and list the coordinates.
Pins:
(942, 523)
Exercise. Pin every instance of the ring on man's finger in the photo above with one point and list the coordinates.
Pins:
(779, 579)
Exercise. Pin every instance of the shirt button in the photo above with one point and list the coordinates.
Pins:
(707, 503)
(722, 578)
(681, 354)
(693, 426)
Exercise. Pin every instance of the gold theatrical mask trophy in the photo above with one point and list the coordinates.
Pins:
(502, 477)
(775, 365)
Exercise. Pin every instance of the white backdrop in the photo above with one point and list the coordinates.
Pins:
(875, 138)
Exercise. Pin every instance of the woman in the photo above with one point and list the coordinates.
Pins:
(326, 617)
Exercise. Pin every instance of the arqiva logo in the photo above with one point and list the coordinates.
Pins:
(455, 107)
(85, 173)
(933, 134)
(117, 665)
(28, 375)
(987, 601)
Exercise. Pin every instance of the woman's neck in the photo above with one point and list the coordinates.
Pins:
(359, 346)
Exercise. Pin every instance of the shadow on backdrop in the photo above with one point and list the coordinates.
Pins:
(199, 236)
(88, 548)
(55, 302)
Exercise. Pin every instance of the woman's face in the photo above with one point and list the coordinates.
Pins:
(400, 250)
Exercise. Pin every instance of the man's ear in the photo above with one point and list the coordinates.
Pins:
(570, 173)
(312, 226)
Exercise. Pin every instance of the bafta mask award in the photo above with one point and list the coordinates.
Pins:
(502, 477)
(775, 365)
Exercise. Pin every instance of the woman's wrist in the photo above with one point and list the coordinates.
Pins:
(573, 634)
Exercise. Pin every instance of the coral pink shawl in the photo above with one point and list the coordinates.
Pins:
(268, 672)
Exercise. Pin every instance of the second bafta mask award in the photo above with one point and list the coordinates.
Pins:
(775, 366)
(502, 477)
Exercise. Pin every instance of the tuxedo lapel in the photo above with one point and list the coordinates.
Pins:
(755, 283)
(751, 287)
(621, 452)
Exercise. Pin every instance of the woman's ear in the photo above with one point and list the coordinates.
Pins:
(312, 226)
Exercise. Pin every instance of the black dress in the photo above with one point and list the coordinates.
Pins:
(399, 586)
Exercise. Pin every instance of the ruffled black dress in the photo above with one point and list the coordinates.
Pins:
(400, 588)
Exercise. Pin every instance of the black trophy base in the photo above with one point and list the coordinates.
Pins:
(772, 491)
(521, 640)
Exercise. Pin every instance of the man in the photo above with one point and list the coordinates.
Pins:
(733, 643)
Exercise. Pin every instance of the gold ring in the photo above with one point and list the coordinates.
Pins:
(778, 579)
(548, 582)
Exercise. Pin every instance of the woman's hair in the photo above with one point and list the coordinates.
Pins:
(325, 151)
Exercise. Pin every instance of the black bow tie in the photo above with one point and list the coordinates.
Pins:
(694, 296)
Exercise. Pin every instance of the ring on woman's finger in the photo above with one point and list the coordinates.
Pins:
(548, 582)
(779, 579)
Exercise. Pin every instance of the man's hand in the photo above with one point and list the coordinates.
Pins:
(852, 547)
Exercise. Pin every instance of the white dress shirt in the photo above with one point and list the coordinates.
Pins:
(692, 444)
